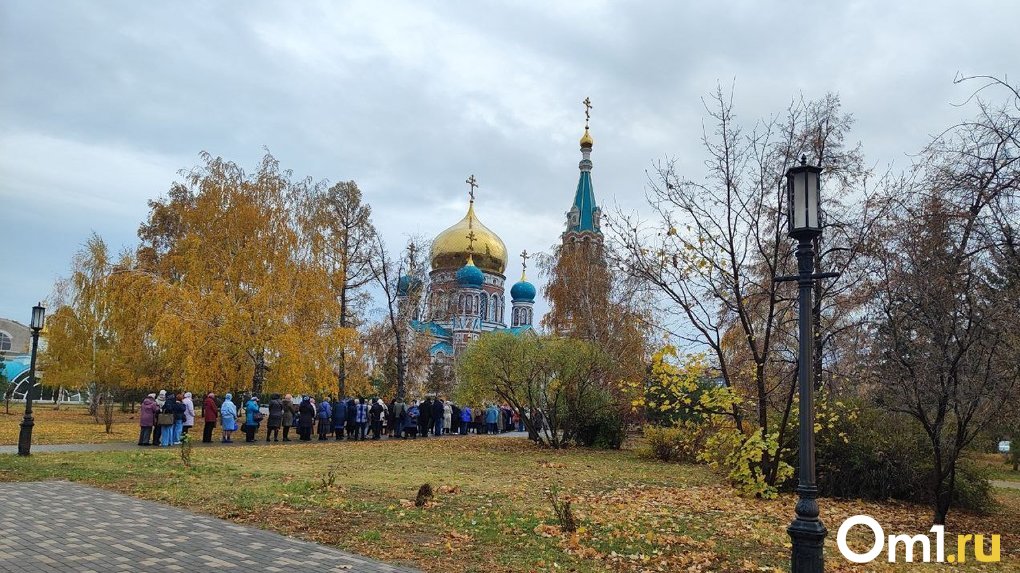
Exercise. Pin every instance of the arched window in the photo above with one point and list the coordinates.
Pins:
(5, 341)
(484, 312)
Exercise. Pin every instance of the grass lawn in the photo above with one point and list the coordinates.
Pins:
(68, 425)
(997, 466)
(490, 512)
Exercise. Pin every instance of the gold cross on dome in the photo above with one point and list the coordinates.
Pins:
(471, 241)
(587, 111)
(473, 183)
(524, 259)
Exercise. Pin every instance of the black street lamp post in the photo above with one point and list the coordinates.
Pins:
(807, 533)
(25, 438)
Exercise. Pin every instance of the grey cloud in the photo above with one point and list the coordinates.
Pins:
(408, 98)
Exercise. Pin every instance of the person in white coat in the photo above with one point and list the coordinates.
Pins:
(189, 412)
(447, 417)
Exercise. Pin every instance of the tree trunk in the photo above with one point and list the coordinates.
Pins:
(342, 374)
(401, 364)
(259, 376)
(945, 484)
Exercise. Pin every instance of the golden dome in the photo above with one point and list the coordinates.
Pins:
(450, 248)
(586, 140)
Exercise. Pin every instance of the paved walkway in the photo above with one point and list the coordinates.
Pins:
(1006, 484)
(61, 527)
(126, 446)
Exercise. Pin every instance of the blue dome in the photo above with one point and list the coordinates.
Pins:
(523, 291)
(406, 283)
(470, 276)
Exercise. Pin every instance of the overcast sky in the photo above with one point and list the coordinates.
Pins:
(101, 103)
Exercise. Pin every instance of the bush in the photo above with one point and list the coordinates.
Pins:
(973, 489)
(681, 443)
(604, 425)
(859, 457)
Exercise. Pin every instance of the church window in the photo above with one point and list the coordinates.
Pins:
(5, 341)
(485, 307)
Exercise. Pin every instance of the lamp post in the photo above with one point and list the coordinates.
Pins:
(807, 533)
(25, 437)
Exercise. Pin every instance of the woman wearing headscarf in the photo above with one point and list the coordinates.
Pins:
(157, 430)
(167, 419)
(189, 412)
(306, 417)
(275, 418)
(147, 419)
(252, 417)
(228, 415)
(324, 413)
(288, 416)
(411, 421)
(339, 418)
(209, 412)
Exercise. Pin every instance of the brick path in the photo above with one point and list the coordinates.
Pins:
(61, 527)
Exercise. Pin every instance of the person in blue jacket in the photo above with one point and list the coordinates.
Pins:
(252, 417)
(465, 420)
(228, 417)
(492, 419)
(411, 421)
(339, 418)
(325, 416)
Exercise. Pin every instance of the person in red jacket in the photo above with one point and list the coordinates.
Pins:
(209, 412)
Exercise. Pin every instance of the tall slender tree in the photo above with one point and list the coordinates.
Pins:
(341, 238)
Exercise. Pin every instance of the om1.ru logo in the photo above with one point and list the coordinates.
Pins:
(910, 543)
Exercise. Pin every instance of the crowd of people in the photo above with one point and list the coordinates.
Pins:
(166, 418)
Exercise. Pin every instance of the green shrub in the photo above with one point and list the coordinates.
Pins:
(602, 424)
(877, 455)
(680, 443)
(973, 489)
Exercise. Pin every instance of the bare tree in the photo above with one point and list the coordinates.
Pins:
(402, 280)
(946, 340)
(715, 246)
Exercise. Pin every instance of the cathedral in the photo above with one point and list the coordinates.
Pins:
(466, 295)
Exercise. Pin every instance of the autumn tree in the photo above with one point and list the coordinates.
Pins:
(80, 350)
(558, 380)
(340, 238)
(711, 252)
(946, 345)
(588, 301)
(243, 303)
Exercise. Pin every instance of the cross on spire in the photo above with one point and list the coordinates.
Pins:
(471, 241)
(524, 263)
(587, 111)
(473, 183)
